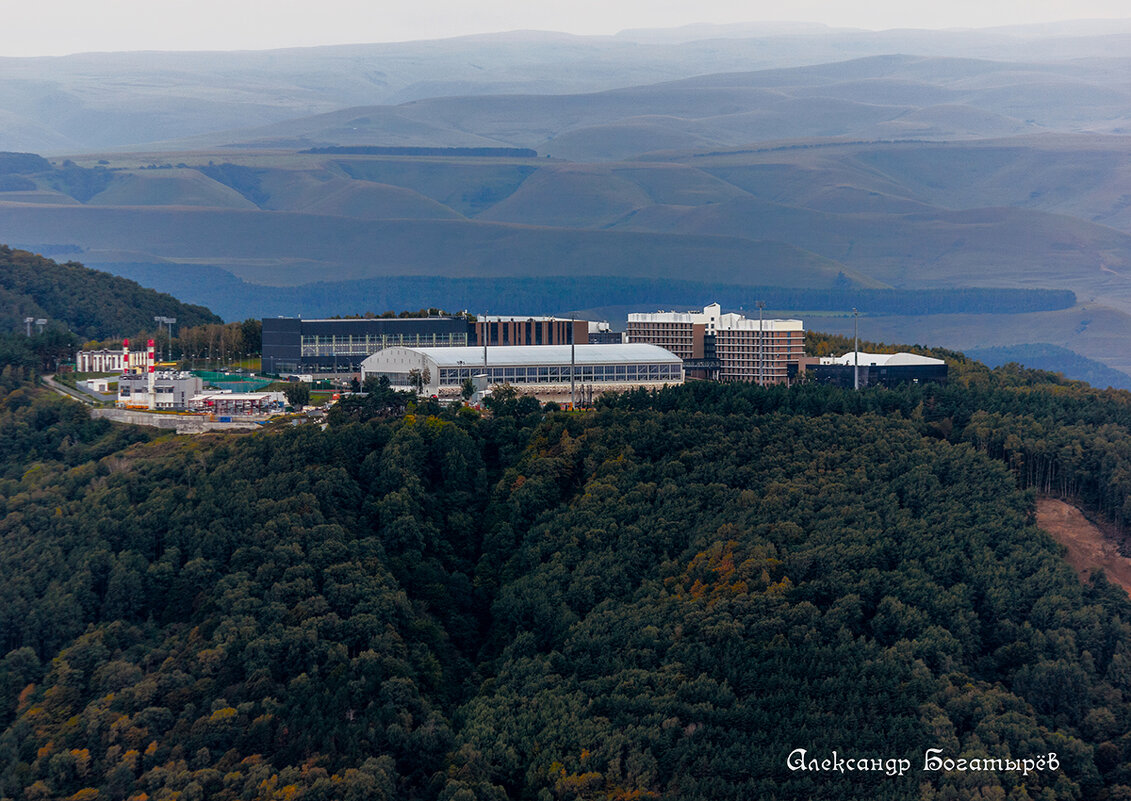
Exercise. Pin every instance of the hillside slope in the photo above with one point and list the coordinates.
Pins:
(632, 602)
(92, 304)
(880, 97)
(283, 248)
(987, 247)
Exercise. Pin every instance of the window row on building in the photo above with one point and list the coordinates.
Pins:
(313, 345)
(560, 374)
(293, 345)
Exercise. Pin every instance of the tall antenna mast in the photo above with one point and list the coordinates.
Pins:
(572, 363)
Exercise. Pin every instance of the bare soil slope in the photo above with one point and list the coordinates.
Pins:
(1089, 549)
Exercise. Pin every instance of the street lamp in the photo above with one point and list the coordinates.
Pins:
(168, 322)
(855, 349)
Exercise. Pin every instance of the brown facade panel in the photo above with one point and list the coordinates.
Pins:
(534, 331)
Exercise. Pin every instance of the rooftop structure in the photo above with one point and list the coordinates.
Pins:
(901, 359)
(601, 333)
(227, 403)
(867, 369)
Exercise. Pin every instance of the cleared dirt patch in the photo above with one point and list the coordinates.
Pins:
(1088, 548)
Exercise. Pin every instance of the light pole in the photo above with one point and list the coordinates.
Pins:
(572, 364)
(855, 349)
(168, 323)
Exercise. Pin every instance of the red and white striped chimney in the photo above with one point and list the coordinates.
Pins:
(152, 366)
(125, 357)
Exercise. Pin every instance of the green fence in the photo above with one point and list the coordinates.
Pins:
(233, 381)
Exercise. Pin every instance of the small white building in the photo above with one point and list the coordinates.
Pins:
(96, 384)
(867, 369)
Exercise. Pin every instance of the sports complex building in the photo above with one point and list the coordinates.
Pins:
(542, 370)
(294, 345)
(338, 346)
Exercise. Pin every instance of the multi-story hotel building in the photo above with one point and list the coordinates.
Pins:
(728, 347)
(678, 332)
(519, 330)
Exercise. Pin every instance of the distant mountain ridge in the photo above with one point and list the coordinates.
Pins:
(114, 100)
(888, 96)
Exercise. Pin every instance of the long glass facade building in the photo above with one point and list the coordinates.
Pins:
(294, 345)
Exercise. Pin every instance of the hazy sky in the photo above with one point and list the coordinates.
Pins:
(55, 27)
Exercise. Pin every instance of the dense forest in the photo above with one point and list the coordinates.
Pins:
(659, 598)
(91, 304)
(1054, 358)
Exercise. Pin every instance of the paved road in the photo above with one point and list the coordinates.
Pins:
(50, 382)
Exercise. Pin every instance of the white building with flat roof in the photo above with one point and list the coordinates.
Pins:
(160, 389)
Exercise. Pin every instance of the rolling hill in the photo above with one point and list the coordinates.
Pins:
(877, 97)
(283, 248)
(789, 214)
(974, 247)
(92, 304)
(90, 101)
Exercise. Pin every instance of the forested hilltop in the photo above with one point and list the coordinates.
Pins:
(661, 598)
(88, 303)
(78, 305)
